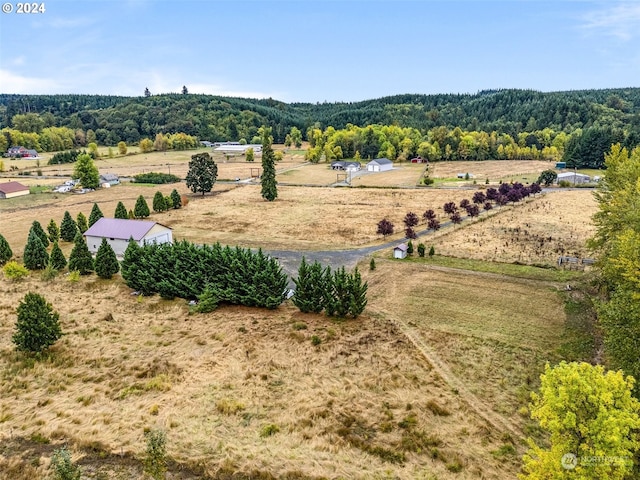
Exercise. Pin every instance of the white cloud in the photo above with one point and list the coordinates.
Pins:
(14, 83)
(621, 20)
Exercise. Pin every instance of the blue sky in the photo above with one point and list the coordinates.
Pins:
(315, 51)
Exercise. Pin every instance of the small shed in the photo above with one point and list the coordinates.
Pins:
(573, 177)
(400, 251)
(109, 178)
(13, 189)
(379, 165)
(560, 165)
(118, 231)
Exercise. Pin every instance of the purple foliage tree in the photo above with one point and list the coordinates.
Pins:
(535, 188)
(429, 215)
(487, 206)
(455, 217)
(504, 188)
(411, 220)
(434, 224)
(473, 210)
(385, 227)
(450, 208)
(514, 195)
(479, 198)
(464, 203)
(492, 193)
(410, 233)
(502, 199)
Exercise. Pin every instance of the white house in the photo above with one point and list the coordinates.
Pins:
(379, 165)
(346, 165)
(400, 251)
(118, 231)
(239, 149)
(573, 178)
(109, 179)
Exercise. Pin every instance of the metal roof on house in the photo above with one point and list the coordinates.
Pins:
(12, 187)
(381, 161)
(121, 229)
(403, 246)
(109, 176)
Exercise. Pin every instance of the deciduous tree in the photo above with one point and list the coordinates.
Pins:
(411, 220)
(86, 172)
(589, 415)
(202, 174)
(385, 227)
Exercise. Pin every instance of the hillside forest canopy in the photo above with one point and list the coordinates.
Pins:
(576, 126)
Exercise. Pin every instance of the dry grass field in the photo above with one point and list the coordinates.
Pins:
(302, 218)
(554, 224)
(246, 390)
(494, 170)
(431, 382)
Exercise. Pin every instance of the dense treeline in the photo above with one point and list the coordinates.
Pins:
(129, 119)
(617, 242)
(227, 275)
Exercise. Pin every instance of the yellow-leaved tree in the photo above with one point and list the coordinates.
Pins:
(593, 423)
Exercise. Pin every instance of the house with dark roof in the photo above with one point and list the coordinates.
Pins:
(346, 165)
(379, 165)
(13, 189)
(118, 231)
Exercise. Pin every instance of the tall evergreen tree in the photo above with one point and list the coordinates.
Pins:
(35, 253)
(121, 211)
(5, 251)
(176, 199)
(81, 221)
(57, 259)
(53, 230)
(358, 292)
(141, 210)
(38, 326)
(80, 259)
(159, 205)
(106, 261)
(309, 291)
(68, 228)
(36, 228)
(95, 215)
(268, 179)
(131, 263)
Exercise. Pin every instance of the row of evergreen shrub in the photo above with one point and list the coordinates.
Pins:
(155, 178)
(227, 275)
(68, 156)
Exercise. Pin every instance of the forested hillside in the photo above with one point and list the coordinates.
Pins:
(585, 122)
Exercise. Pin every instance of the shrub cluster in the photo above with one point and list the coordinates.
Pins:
(155, 178)
(69, 156)
(212, 273)
(338, 293)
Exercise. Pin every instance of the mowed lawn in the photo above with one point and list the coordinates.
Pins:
(494, 332)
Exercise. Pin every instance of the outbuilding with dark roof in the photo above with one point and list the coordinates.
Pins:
(118, 231)
(13, 189)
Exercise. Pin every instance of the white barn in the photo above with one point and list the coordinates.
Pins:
(379, 165)
(572, 177)
(118, 231)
